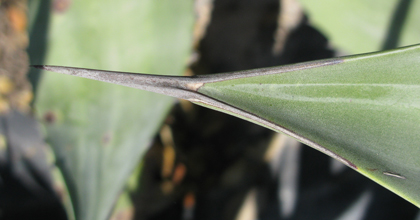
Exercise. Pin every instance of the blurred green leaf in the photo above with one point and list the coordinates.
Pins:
(39, 17)
(360, 26)
(100, 131)
(363, 110)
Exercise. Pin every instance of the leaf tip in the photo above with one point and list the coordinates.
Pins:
(38, 66)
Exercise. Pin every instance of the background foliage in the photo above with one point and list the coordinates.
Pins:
(202, 164)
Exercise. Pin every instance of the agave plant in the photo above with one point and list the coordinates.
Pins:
(360, 110)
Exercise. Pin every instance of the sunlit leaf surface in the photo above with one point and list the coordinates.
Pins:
(99, 131)
(360, 26)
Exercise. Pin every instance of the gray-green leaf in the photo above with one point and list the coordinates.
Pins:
(363, 110)
(98, 131)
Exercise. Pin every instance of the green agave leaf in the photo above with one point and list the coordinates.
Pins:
(360, 26)
(362, 110)
(98, 131)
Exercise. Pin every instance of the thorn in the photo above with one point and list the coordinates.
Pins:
(175, 86)
(37, 66)
(64, 69)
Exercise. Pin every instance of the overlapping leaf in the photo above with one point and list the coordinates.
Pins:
(360, 26)
(100, 131)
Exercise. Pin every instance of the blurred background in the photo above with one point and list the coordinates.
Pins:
(73, 148)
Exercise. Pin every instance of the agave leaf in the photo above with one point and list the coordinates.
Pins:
(98, 131)
(362, 110)
(360, 26)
